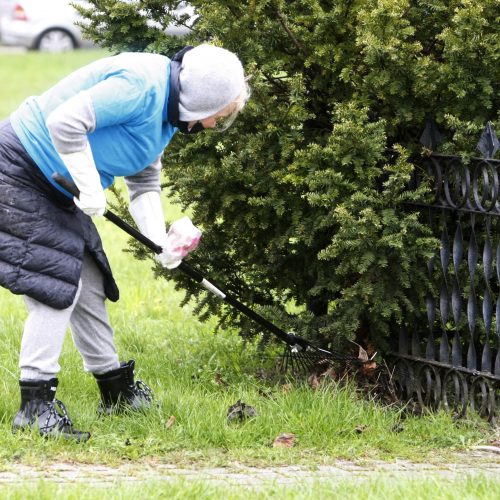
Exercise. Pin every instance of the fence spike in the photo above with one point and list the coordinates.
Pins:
(431, 137)
(488, 143)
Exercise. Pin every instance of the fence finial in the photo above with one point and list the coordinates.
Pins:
(488, 143)
(431, 137)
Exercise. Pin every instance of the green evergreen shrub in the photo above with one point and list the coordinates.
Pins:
(302, 200)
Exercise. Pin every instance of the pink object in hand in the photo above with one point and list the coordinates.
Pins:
(182, 238)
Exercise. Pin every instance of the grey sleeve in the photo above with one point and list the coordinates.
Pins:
(70, 123)
(145, 181)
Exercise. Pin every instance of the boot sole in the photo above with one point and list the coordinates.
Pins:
(79, 437)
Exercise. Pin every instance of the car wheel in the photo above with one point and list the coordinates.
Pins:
(55, 40)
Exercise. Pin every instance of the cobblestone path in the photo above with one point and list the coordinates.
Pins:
(478, 462)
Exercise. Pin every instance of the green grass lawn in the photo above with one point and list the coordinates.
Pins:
(33, 72)
(183, 360)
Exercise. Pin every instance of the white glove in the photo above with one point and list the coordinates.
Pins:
(181, 239)
(82, 169)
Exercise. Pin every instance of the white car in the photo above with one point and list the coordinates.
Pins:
(49, 25)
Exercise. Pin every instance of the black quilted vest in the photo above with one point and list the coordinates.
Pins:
(42, 234)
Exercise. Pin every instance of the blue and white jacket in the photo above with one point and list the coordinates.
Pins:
(118, 103)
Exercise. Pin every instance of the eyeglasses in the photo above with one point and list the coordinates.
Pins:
(222, 123)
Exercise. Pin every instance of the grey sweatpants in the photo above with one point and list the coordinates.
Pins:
(45, 330)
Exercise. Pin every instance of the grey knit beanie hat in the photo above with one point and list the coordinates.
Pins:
(211, 78)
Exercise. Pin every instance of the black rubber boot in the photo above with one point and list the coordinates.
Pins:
(40, 410)
(119, 392)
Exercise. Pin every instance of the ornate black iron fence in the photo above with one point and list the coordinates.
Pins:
(454, 360)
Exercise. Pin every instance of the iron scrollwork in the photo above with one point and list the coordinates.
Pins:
(453, 361)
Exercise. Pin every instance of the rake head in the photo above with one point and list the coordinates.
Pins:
(300, 356)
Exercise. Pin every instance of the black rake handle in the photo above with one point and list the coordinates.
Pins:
(193, 273)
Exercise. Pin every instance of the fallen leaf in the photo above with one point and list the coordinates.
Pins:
(170, 422)
(285, 388)
(367, 368)
(285, 440)
(313, 381)
(331, 374)
(362, 354)
(219, 380)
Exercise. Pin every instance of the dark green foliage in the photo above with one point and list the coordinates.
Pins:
(301, 201)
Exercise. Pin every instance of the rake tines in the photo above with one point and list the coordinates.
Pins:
(306, 358)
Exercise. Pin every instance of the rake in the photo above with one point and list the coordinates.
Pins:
(299, 353)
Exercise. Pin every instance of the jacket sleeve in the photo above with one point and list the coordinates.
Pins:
(145, 181)
(116, 100)
(70, 123)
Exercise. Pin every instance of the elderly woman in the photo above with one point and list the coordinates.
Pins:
(111, 118)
